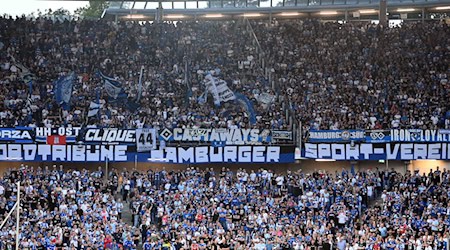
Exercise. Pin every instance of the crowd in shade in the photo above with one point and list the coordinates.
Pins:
(222, 209)
(327, 75)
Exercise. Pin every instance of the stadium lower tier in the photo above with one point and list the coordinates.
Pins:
(308, 205)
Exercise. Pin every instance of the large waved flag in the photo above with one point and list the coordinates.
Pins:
(219, 89)
(63, 88)
(112, 86)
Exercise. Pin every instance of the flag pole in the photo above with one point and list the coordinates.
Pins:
(140, 83)
(8, 215)
(18, 215)
(186, 78)
(106, 170)
(97, 96)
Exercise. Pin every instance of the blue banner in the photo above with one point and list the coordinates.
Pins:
(70, 133)
(18, 134)
(376, 151)
(378, 136)
(124, 153)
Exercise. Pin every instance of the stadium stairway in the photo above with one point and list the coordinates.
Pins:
(127, 216)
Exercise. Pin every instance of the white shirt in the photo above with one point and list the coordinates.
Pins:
(253, 176)
(342, 218)
(280, 180)
(369, 190)
(435, 225)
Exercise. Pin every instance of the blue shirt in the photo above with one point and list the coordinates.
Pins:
(147, 246)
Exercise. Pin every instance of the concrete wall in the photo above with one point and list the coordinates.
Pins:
(423, 166)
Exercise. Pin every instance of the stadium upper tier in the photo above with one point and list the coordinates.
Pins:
(209, 74)
(230, 8)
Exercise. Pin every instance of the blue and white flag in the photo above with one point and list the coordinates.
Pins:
(112, 86)
(63, 88)
(219, 89)
(24, 73)
(93, 109)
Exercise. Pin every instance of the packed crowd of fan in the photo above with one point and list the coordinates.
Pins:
(208, 209)
(359, 75)
(263, 210)
(119, 50)
(61, 209)
(327, 75)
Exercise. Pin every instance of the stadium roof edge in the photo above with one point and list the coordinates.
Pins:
(267, 10)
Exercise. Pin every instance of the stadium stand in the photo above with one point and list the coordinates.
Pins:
(210, 209)
(358, 75)
(353, 74)
(323, 75)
